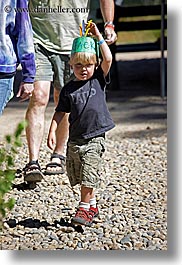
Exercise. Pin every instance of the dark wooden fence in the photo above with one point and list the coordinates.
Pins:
(158, 23)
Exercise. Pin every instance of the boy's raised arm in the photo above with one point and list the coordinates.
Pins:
(105, 51)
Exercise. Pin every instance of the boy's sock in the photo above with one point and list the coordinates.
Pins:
(93, 202)
(84, 205)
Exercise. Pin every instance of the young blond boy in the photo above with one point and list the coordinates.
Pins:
(83, 99)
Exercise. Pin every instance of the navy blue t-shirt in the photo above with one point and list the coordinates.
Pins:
(86, 103)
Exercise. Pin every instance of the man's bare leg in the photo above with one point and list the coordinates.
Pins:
(35, 116)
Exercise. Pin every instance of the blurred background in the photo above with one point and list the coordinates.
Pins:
(140, 52)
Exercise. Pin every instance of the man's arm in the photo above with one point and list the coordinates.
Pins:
(25, 51)
(107, 10)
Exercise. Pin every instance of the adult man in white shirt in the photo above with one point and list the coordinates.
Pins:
(55, 25)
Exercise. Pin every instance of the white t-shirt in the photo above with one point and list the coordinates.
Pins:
(56, 22)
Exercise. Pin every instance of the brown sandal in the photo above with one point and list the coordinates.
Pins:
(32, 172)
(60, 166)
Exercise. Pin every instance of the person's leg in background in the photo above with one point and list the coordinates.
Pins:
(35, 114)
(50, 66)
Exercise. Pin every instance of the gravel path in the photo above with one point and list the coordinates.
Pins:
(132, 197)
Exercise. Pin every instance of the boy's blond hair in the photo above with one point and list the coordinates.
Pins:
(83, 58)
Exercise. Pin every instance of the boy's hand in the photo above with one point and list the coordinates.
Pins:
(93, 31)
(110, 34)
(51, 140)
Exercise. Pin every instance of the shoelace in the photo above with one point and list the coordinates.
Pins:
(85, 214)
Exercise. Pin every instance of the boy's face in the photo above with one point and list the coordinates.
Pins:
(83, 71)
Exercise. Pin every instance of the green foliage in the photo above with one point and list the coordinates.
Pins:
(7, 171)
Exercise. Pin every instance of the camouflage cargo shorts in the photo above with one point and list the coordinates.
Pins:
(84, 161)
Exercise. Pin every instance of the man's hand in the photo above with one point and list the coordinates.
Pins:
(25, 91)
(110, 34)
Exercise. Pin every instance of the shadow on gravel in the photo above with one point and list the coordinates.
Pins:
(36, 223)
(29, 222)
(147, 133)
(24, 186)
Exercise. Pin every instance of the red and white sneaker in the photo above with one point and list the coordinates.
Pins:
(83, 217)
(94, 211)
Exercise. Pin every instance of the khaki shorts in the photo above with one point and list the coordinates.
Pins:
(52, 67)
(84, 161)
